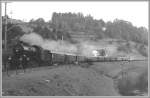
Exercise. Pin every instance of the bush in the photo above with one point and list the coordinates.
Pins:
(127, 85)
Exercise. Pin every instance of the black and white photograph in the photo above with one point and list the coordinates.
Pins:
(74, 48)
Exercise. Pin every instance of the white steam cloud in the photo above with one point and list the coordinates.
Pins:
(54, 46)
(64, 47)
(32, 39)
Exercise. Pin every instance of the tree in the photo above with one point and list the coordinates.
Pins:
(13, 34)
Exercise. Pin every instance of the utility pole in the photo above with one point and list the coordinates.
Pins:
(5, 27)
(1, 27)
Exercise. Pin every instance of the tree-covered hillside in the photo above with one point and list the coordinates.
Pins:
(70, 26)
(118, 29)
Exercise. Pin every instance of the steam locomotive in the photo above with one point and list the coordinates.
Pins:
(35, 53)
(23, 56)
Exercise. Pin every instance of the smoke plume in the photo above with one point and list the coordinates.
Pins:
(47, 44)
(63, 47)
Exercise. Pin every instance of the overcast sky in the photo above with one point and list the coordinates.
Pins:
(135, 12)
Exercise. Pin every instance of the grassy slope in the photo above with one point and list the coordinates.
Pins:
(64, 80)
(74, 80)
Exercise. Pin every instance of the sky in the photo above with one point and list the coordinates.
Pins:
(134, 12)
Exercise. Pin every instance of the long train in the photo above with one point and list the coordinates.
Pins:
(53, 56)
(41, 57)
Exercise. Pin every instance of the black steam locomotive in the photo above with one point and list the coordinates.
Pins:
(24, 55)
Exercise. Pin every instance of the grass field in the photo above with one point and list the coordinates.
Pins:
(96, 79)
